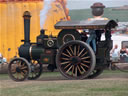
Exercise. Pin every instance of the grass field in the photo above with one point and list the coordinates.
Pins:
(110, 83)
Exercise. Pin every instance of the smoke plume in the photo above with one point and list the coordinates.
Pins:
(44, 12)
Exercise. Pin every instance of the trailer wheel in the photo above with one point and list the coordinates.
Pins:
(75, 60)
(19, 69)
(36, 70)
(95, 73)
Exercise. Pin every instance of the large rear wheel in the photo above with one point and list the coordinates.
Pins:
(75, 60)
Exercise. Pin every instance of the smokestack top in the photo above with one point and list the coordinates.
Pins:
(27, 15)
(42, 31)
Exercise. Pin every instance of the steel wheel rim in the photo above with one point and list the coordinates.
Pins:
(18, 69)
(75, 62)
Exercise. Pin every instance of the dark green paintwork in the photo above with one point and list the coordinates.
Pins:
(36, 52)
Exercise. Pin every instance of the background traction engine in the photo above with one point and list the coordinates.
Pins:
(68, 52)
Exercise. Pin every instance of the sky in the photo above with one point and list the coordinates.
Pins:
(82, 4)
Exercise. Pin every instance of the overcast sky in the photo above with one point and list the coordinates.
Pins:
(82, 4)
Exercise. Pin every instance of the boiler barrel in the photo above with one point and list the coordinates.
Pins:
(35, 52)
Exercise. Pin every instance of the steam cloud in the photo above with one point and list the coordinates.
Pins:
(44, 11)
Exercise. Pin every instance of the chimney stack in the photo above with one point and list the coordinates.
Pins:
(27, 17)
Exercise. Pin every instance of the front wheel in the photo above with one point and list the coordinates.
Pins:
(75, 60)
(19, 69)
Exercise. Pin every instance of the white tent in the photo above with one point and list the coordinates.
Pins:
(117, 39)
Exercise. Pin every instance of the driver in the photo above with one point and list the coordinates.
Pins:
(97, 12)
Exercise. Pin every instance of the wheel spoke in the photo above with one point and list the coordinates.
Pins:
(23, 64)
(85, 65)
(73, 70)
(75, 50)
(69, 69)
(13, 66)
(83, 68)
(65, 58)
(22, 73)
(79, 70)
(67, 66)
(13, 70)
(18, 63)
(86, 61)
(76, 71)
(25, 71)
(69, 52)
(85, 57)
(64, 63)
(81, 52)
(65, 55)
(84, 54)
(23, 67)
(78, 50)
(17, 75)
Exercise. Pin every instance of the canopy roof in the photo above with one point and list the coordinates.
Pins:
(94, 24)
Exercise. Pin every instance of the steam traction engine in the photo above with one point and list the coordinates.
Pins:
(68, 52)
